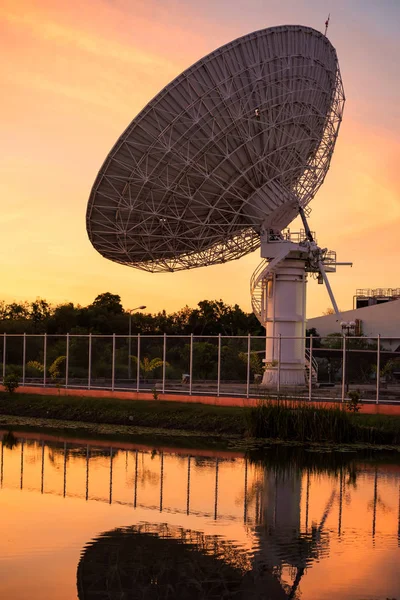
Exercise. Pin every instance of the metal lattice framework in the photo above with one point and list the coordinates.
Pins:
(226, 150)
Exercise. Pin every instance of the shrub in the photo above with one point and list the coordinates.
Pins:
(11, 382)
(353, 402)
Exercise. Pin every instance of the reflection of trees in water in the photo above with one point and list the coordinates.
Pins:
(143, 474)
(162, 561)
(9, 440)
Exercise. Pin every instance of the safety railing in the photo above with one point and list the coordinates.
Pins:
(208, 365)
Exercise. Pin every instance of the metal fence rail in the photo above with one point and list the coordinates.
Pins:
(203, 365)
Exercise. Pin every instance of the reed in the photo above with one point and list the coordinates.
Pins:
(283, 419)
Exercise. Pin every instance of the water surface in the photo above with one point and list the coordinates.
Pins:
(94, 520)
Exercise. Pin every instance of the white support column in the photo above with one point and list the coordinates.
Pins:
(285, 292)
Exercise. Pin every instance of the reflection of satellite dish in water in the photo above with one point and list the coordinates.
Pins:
(162, 561)
(219, 163)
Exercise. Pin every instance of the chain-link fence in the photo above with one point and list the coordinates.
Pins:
(330, 368)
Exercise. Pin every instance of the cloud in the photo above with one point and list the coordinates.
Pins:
(53, 32)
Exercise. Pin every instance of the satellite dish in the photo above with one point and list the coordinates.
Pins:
(223, 159)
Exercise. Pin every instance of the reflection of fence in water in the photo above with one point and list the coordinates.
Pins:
(60, 459)
(237, 490)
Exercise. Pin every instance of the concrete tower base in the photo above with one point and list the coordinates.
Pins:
(285, 303)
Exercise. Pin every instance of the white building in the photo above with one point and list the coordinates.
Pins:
(380, 319)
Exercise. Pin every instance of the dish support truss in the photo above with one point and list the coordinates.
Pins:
(278, 296)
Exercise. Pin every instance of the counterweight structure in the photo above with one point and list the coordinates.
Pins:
(220, 162)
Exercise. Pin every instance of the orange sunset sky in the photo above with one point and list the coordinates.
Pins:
(74, 74)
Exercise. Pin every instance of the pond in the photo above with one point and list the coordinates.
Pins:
(112, 520)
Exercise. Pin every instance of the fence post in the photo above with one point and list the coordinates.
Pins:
(378, 368)
(219, 365)
(44, 358)
(164, 362)
(279, 362)
(4, 354)
(138, 364)
(344, 368)
(216, 490)
(111, 476)
(310, 366)
(65, 469)
(89, 360)
(67, 361)
(87, 471)
(113, 364)
(23, 359)
(248, 365)
(191, 364)
(161, 479)
(129, 347)
(188, 488)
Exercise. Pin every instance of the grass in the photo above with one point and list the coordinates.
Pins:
(301, 423)
(380, 422)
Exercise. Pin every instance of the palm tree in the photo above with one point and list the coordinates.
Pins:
(147, 366)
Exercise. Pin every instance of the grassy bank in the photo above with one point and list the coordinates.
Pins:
(272, 420)
(137, 413)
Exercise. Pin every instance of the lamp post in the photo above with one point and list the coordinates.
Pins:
(130, 311)
(347, 328)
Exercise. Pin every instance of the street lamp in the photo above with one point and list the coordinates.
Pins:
(130, 311)
(347, 328)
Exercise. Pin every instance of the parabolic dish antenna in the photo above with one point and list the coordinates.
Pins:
(227, 149)
(219, 163)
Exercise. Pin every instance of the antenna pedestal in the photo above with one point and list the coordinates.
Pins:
(284, 320)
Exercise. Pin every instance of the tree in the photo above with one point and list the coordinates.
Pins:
(16, 310)
(63, 319)
(316, 338)
(40, 311)
(330, 311)
(256, 365)
(110, 303)
(148, 366)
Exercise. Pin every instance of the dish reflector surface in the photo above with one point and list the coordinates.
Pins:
(229, 148)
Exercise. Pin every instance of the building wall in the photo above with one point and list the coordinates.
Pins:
(383, 319)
